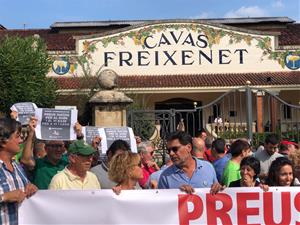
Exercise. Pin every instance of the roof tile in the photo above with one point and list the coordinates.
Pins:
(65, 41)
(197, 80)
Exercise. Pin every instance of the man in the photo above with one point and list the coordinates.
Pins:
(14, 186)
(238, 150)
(199, 148)
(186, 172)
(146, 151)
(287, 147)
(207, 145)
(268, 154)
(54, 161)
(76, 175)
(45, 168)
(219, 152)
(101, 171)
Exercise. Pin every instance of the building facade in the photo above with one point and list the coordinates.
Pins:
(204, 66)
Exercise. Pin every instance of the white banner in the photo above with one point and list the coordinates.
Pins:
(55, 124)
(232, 206)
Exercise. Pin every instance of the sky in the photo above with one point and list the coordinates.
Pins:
(15, 14)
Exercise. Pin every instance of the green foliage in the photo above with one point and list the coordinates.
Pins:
(24, 63)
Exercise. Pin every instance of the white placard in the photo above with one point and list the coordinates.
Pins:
(65, 107)
(110, 134)
(89, 132)
(25, 111)
(232, 206)
(55, 124)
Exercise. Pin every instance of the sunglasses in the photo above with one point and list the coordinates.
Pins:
(173, 149)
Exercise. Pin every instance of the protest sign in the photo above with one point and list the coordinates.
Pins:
(55, 124)
(232, 206)
(65, 107)
(110, 134)
(25, 111)
(89, 133)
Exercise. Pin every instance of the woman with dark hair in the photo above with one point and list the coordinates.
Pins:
(281, 173)
(249, 169)
(14, 185)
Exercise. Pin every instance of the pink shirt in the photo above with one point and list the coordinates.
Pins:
(147, 171)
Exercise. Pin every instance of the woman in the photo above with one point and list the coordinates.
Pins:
(125, 169)
(281, 173)
(249, 169)
(295, 158)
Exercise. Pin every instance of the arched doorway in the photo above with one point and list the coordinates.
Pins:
(192, 119)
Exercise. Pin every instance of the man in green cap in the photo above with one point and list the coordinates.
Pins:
(76, 175)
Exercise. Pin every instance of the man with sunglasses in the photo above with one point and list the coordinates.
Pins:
(149, 166)
(187, 172)
(44, 168)
(77, 175)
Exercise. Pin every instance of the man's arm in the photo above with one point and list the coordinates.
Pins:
(27, 155)
(13, 196)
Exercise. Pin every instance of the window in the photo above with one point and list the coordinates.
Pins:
(287, 112)
(217, 110)
(232, 113)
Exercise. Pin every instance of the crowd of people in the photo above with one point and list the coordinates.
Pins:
(29, 165)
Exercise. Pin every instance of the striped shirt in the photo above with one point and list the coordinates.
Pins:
(10, 181)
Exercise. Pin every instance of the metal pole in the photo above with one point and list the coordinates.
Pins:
(173, 122)
(249, 112)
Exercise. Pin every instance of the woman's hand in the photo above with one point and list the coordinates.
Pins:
(117, 189)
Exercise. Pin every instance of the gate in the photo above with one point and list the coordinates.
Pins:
(239, 113)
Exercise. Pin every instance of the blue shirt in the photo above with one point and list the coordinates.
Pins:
(220, 164)
(203, 177)
(10, 181)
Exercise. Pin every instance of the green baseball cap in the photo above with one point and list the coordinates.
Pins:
(81, 147)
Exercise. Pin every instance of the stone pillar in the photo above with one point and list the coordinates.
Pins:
(109, 108)
(260, 111)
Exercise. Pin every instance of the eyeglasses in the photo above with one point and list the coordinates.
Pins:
(173, 149)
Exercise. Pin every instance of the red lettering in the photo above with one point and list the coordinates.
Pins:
(242, 210)
(297, 205)
(213, 213)
(285, 208)
(184, 215)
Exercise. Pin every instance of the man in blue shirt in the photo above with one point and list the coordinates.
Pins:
(219, 152)
(187, 172)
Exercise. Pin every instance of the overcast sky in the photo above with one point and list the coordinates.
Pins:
(42, 13)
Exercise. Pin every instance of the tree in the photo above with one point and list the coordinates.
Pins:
(24, 63)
